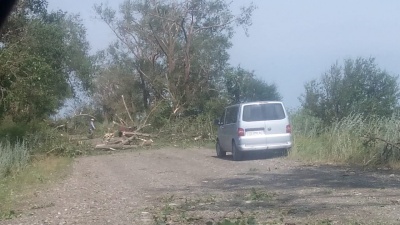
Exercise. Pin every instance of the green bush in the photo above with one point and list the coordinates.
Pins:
(160, 116)
(12, 131)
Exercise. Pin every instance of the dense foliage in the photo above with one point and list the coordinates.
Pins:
(349, 115)
(40, 52)
(358, 87)
(173, 55)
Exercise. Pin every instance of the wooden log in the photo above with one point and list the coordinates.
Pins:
(128, 141)
(115, 141)
(114, 147)
(130, 134)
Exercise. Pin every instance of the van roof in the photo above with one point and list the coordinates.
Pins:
(256, 102)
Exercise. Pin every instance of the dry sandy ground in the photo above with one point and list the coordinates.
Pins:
(192, 186)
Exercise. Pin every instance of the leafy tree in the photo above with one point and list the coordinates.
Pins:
(113, 80)
(177, 50)
(243, 86)
(358, 86)
(40, 52)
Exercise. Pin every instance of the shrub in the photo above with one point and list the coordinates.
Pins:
(13, 156)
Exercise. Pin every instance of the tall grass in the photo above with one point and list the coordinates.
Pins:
(16, 151)
(29, 156)
(354, 139)
(13, 156)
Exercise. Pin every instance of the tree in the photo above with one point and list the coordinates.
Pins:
(243, 86)
(40, 52)
(113, 80)
(358, 87)
(177, 49)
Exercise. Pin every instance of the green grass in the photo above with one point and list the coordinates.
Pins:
(260, 195)
(178, 210)
(35, 158)
(354, 140)
(16, 188)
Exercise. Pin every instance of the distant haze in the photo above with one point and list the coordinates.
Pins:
(292, 42)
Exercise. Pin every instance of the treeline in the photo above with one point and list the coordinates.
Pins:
(168, 54)
(40, 53)
(172, 56)
(169, 63)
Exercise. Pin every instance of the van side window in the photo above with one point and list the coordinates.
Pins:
(231, 115)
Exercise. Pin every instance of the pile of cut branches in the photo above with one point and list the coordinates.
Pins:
(125, 137)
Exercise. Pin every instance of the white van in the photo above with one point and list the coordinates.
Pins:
(253, 126)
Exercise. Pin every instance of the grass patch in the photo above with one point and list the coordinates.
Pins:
(242, 207)
(19, 186)
(232, 209)
(194, 211)
(260, 195)
(353, 140)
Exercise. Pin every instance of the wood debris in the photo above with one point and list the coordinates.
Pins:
(125, 138)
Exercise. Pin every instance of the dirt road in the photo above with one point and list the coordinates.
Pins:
(192, 186)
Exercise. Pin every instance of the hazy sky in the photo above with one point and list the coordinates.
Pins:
(292, 42)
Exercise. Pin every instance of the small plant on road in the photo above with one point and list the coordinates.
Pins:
(259, 195)
(241, 221)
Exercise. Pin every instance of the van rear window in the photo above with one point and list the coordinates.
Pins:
(260, 112)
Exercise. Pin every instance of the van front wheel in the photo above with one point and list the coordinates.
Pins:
(236, 154)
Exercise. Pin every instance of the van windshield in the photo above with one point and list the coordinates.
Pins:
(260, 112)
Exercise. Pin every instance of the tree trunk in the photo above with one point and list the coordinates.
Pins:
(145, 92)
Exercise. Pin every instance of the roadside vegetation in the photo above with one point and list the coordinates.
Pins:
(350, 115)
(372, 142)
(167, 73)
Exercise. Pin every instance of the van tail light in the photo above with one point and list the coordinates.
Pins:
(240, 132)
(288, 129)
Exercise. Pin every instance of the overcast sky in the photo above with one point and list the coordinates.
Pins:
(292, 42)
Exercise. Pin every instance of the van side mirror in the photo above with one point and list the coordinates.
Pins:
(217, 122)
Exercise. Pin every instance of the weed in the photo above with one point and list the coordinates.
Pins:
(13, 157)
(257, 195)
(327, 192)
(241, 221)
(325, 222)
(8, 215)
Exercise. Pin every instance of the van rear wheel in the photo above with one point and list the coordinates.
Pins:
(220, 153)
(236, 154)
